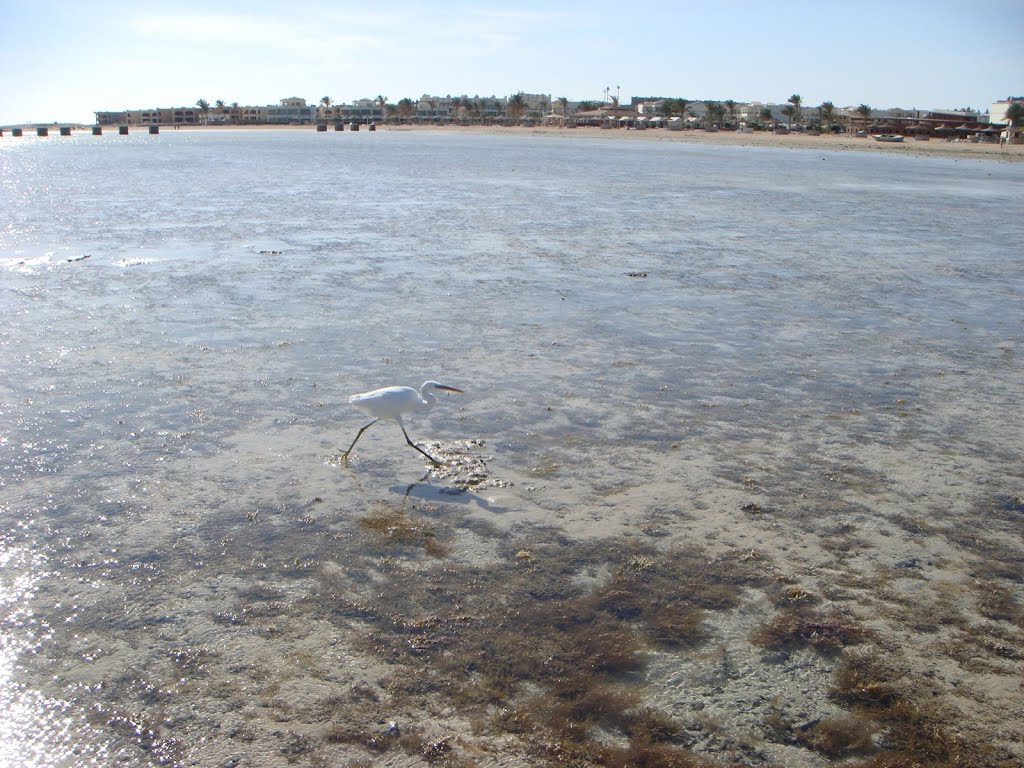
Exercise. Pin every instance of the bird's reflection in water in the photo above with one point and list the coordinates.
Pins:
(444, 494)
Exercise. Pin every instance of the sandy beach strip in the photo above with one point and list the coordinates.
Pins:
(841, 143)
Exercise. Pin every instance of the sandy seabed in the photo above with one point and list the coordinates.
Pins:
(845, 592)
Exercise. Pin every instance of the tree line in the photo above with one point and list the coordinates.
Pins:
(717, 113)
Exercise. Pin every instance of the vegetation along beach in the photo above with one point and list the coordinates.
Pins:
(732, 477)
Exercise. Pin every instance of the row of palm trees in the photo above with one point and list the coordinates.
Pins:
(465, 107)
(204, 106)
(716, 112)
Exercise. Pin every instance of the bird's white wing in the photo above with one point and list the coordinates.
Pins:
(387, 402)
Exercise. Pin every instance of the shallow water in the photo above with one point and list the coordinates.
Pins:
(642, 329)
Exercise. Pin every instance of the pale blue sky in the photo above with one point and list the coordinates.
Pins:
(61, 60)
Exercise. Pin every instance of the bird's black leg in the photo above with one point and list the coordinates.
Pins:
(410, 442)
(359, 434)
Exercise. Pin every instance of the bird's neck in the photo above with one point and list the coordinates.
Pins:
(429, 401)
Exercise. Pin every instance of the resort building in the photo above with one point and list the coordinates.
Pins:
(997, 114)
(155, 116)
(291, 110)
(252, 114)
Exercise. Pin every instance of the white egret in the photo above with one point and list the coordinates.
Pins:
(392, 402)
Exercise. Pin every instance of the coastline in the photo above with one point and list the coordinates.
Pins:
(843, 143)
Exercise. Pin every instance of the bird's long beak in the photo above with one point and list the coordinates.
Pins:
(450, 389)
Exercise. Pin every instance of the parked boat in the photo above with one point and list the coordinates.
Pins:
(886, 137)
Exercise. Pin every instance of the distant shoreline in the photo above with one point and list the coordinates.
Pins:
(933, 147)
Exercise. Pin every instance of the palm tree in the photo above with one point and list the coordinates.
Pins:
(381, 101)
(516, 106)
(865, 112)
(564, 104)
(827, 114)
(405, 108)
(793, 109)
(204, 107)
(1014, 116)
(730, 107)
(715, 113)
(683, 106)
(325, 102)
(797, 100)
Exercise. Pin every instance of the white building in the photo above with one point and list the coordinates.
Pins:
(291, 110)
(997, 114)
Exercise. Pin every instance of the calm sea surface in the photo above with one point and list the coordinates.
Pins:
(184, 316)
